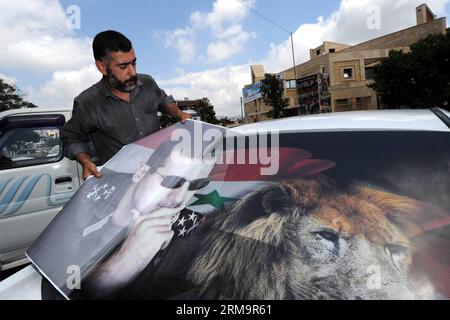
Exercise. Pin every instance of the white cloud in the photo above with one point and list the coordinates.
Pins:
(349, 25)
(222, 25)
(182, 40)
(221, 86)
(231, 42)
(63, 87)
(225, 12)
(35, 37)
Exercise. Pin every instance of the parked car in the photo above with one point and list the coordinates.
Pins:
(402, 151)
(34, 186)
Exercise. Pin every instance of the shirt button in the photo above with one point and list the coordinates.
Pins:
(137, 119)
(141, 133)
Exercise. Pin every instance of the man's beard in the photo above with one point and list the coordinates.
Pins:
(125, 86)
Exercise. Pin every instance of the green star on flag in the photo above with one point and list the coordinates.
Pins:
(213, 198)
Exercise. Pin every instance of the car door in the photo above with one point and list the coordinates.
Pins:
(35, 181)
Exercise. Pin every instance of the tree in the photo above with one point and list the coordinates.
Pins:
(12, 98)
(416, 79)
(272, 92)
(206, 111)
(165, 120)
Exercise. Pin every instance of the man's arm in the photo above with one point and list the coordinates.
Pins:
(89, 167)
(168, 104)
(75, 137)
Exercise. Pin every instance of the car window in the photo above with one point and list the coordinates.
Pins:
(21, 147)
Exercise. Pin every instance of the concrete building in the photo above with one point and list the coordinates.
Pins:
(336, 76)
(189, 106)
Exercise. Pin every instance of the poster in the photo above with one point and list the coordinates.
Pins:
(252, 92)
(302, 215)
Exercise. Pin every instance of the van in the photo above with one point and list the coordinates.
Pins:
(36, 180)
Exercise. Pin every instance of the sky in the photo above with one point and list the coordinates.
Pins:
(193, 49)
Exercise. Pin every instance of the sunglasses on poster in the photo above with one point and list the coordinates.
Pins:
(175, 182)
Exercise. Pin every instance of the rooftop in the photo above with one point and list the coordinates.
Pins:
(396, 120)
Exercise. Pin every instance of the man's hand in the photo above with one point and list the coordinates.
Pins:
(174, 111)
(183, 116)
(89, 167)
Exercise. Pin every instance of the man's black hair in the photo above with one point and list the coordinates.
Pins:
(110, 41)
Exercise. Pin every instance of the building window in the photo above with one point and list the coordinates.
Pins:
(318, 52)
(369, 73)
(332, 50)
(341, 102)
(347, 73)
(290, 84)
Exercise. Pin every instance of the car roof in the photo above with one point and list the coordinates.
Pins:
(390, 120)
(39, 110)
(384, 120)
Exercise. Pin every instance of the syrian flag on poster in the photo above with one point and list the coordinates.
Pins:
(231, 178)
(231, 181)
(89, 227)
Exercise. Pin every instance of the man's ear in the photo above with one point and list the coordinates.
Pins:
(141, 171)
(101, 66)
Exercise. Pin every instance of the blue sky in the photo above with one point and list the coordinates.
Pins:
(141, 19)
(193, 48)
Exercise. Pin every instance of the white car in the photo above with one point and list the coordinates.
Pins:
(33, 186)
(19, 228)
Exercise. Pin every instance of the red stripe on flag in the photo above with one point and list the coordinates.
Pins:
(156, 139)
(293, 163)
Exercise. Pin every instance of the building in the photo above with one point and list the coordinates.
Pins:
(190, 106)
(336, 76)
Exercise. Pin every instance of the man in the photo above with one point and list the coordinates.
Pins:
(160, 189)
(121, 108)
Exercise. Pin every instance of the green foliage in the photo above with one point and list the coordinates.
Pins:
(417, 79)
(165, 120)
(272, 92)
(27, 136)
(206, 112)
(11, 98)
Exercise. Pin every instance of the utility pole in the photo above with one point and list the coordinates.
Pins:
(242, 110)
(293, 60)
(285, 30)
(295, 73)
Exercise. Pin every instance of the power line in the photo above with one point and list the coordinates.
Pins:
(264, 17)
(280, 27)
